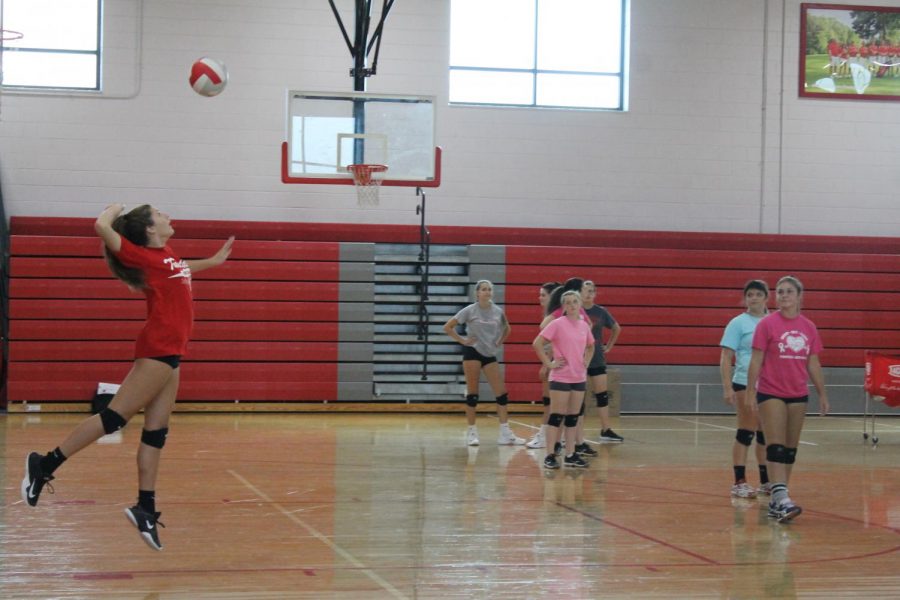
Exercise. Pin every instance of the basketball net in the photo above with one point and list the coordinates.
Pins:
(367, 179)
(6, 35)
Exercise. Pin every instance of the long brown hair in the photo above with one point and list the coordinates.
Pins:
(133, 227)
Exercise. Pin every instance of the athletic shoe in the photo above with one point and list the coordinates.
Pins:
(743, 490)
(472, 437)
(584, 449)
(147, 524)
(784, 512)
(557, 448)
(573, 460)
(608, 435)
(550, 462)
(34, 480)
(508, 438)
(538, 441)
(764, 489)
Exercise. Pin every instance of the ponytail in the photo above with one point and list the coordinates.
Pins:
(133, 227)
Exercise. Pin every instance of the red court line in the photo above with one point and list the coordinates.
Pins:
(639, 534)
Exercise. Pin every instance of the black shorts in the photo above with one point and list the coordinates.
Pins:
(470, 353)
(737, 387)
(559, 386)
(596, 371)
(173, 360)
(760, 398)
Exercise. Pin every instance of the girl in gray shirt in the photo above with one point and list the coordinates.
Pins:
(486, 330)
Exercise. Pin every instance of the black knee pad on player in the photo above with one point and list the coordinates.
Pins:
(776, 453)
(112, 421)
(472, 400)
(546, 400)
(555, 420)
(581, 412)
(791, 455)
(760, 438)
(502, 399)
(744, 437)
(571, 420)
(155, 438)
(602, 399)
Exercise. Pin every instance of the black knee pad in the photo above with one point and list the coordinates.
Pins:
(155, 438)
(760, 438)
(546, 400)
(502, 399)
(581, 412)
(744, 437)
(776, 453)
(472, 400)
(791, 455)
(112, 421)
(602, 399)
(555, 420)
(571, 420)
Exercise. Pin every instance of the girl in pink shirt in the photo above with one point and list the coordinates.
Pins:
(573, 347)
(786, 349)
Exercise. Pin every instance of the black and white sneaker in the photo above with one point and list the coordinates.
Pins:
(34, 480)
(785, 512)
(147, 523)
(550, 462)
(557, 448)
(573, 460)
(608, 435)
(584, 449)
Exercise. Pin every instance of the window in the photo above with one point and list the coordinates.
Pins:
(552, 53)
(60, 44)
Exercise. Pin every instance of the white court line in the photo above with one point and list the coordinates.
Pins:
(698, 422)
(322, 538)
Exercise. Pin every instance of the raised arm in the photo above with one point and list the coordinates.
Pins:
(103, 226)
(213, 261)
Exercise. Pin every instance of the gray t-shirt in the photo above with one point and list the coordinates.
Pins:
(600, 320)
(486, 325)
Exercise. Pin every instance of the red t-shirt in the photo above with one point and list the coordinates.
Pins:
(170, 312)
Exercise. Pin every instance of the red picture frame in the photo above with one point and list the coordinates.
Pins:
(849, 52)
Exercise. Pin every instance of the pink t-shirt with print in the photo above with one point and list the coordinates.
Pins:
(787, 345)
(570, 339)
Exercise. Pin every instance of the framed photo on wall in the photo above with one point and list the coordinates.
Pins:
(850, 52)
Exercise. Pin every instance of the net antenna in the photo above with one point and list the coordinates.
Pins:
(367, 178)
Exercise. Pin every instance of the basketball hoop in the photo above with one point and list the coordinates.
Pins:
(367, 179)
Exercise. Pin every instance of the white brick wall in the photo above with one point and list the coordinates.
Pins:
(716, 138)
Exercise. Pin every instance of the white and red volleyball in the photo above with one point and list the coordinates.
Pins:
(208, 76)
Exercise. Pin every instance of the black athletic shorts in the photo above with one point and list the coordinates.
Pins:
(173, 360)
(470, 353)
(559, 386)
(596, 371)
(737, 387)
(760, 398)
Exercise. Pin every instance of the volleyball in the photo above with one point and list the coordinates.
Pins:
(208, 76)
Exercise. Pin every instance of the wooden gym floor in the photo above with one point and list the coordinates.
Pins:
(395, 506)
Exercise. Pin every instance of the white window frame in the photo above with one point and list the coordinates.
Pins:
(22, 46)
(494, 75)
